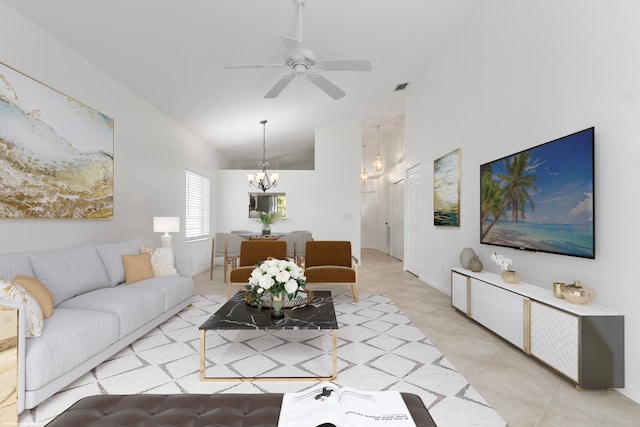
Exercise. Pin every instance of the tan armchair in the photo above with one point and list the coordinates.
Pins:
(252, 253)
(331, 263)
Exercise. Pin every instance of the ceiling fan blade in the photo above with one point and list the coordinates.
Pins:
(236, 67)
(349, 65)
(332, 90)
(278, 87)
(292, 45)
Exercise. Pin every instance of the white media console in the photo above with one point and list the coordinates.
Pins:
(584, 343)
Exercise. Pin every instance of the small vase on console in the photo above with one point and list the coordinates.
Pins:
(475, 265)
(511, 277)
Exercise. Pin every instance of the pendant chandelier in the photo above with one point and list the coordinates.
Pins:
(364, 176)
(378, 164)
(261, 180)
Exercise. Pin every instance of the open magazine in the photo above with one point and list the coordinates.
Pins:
(328, 404)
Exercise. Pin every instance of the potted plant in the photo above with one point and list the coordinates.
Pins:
(268, 218)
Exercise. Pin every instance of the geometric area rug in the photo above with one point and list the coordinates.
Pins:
(378, 349)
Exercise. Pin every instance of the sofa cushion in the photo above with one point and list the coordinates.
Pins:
(72, 336)
(162, 260)
(137, 267)
(134, 306)
(111, 255)
(12, 265)
(175, 289)
(69, 272)
(12, 291)
(39, 292)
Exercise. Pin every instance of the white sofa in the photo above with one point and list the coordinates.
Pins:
(95, 316)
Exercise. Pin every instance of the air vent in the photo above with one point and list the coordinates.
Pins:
(401, 86)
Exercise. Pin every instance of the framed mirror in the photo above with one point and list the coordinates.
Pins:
(267, 202)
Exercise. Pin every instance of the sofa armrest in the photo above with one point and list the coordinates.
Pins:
(184, 265)
(22, 330)
(354, 262)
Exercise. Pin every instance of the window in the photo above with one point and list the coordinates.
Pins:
(197, 205)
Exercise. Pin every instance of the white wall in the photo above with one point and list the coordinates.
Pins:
(325, 201)
(521, 74)
(151, 151)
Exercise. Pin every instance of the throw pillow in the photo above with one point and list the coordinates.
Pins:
(111, 255)
(11, 291)
(39, 292)
(137, 267)
(162, 260)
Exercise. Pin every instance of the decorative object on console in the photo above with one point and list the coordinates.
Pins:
(466, 255)
(166, 225)
(274, 279)
(378, 164)
(446, 190)
(475, 265)
(577, 294)
(557, 289)
(268, 218)
(264, 180)
(57, 153)
(508, 275)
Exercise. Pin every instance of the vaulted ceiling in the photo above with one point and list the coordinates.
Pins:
(173, 54)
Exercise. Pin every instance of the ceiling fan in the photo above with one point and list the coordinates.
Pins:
(303, 62)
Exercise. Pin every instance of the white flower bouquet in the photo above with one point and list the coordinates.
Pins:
(274, 277)
(503, 262)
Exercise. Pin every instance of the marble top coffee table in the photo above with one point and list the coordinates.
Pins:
(236, 314)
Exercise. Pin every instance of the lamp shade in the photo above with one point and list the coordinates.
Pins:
(166, 224)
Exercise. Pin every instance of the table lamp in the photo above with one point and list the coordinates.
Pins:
(166, 225)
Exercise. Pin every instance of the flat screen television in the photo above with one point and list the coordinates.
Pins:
(541, 199)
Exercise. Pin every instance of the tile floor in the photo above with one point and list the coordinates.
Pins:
(524, 392)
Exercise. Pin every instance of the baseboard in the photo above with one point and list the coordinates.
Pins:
(444, 289)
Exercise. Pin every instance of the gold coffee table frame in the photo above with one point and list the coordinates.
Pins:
(204, 378)
(237, 315)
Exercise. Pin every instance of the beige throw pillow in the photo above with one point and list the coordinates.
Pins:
(137, 267)
(39, 292)
(162, 260)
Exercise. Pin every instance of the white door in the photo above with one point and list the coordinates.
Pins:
(396, 228)
(369, 220)
(414, 209)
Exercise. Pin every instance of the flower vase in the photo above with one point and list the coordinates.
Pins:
(276, 301)
(511, 277)
(266, 229)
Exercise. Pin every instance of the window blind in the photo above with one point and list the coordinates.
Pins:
(197, 205)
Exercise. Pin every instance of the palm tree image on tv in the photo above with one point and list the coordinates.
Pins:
(541, 199)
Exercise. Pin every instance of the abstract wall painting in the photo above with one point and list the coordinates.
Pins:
(446, 190)
(56, 154)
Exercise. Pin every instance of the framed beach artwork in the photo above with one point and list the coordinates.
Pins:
(446, 190)
(56, 153)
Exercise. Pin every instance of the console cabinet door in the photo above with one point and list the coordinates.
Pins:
(509, 316)
(459, 283)
(499, 310)
(483, 303)
(554, 338)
